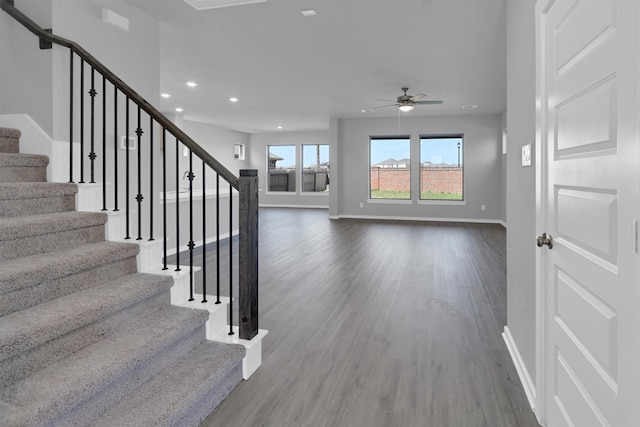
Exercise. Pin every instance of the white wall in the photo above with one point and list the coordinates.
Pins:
(520, 180)
(25, 70)
(482, 166)
(133, 55)
(219, 142)
(258, 153)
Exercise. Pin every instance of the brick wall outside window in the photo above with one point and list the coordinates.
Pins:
(434, 179)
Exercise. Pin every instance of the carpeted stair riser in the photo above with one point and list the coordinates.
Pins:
(29, 281)
(16, 198)
(24, 236)
(49, 345)
(125, 387)
(15, 167)
(173, 399)
(88, 382)
(9, 140)
(35, 326)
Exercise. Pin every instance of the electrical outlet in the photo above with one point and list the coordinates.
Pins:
(361, 205)
(483, 208)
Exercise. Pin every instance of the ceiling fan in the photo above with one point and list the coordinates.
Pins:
(407, 102)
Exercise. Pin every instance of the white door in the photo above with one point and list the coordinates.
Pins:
(587, 65)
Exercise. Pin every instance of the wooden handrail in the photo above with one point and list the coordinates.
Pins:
(8, 7)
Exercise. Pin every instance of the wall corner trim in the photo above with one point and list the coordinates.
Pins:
(523, 373)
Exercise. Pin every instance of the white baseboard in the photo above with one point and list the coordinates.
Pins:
(420, 218)
(523, 373)
(264, 205)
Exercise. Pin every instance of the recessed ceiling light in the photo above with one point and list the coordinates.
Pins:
(279, 127)
(368, 110)
(179, 110)
(469, 107)
(165, 95)
(233, 99)
(308, 12)
(192, 84)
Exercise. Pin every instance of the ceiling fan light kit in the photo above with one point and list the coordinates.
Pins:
(405, 108)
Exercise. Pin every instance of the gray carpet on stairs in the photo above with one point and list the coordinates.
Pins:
(84, 338)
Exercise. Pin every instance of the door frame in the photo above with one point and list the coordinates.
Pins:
(540, 153)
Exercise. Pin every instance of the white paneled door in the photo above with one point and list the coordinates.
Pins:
(587, 73)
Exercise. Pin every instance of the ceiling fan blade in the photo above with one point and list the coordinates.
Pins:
(418, 97)
(385, 106)
(388, 100)
(427, 102)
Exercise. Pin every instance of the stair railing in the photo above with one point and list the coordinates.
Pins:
(172, 141)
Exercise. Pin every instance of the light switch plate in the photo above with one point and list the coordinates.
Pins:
(526, 155)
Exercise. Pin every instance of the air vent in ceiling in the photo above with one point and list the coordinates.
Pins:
(213, 4)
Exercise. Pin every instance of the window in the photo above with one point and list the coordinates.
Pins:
(441, 167)
(390, 167)
(282, 167)
(315, 168)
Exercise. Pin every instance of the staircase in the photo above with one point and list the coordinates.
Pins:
(84, 338)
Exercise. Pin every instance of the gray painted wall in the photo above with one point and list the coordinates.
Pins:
(258, 154)
(482, 162)
(25, 70)
(521, 207)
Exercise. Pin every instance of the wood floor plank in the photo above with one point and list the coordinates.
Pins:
(379, 323)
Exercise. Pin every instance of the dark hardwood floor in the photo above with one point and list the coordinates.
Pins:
(379, 323)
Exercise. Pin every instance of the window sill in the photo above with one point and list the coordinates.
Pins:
(391, 201)
(443, 202)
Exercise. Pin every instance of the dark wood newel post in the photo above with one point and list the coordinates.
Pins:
(248, 253)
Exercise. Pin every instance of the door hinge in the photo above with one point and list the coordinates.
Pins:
(634, 235)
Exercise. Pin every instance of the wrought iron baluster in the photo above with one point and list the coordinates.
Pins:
(126, 184)
(104, 143)
(92, 153)
(177, 204)
(151, 155)
(139, 197)
(70, 115)
(115, 149)
(231, 260)
(81, 121)
(164, 197)
(204, 235)
(218, 239)
(191, 245)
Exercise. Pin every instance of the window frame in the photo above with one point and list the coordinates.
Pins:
(302, 169)
(427, 136)
(295, 170)
(402, 137)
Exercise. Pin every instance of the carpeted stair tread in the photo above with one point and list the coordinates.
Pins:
(31, 190)
(36, 234)
(23, 272)
(35, 225)
(9, 140)
(206, 375)
(16, 198)
(88, 374)
(17, 167)
(12, 160)
(26, 329)
(10, 133)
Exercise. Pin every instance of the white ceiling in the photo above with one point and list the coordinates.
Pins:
(298, 72)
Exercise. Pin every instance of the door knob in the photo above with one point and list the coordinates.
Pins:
(545, 240)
